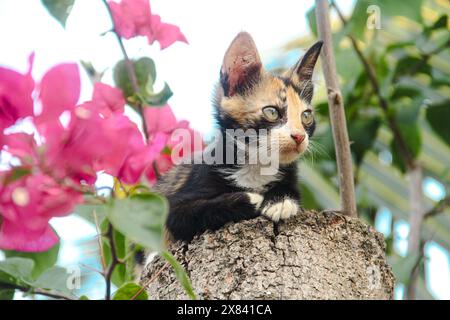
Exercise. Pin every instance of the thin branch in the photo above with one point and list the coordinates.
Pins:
(417, 210)
(337, 113)
(427, 56)
(415, 273)
(100, 241)
(130, 70)
(114, 260)
(41, 292)
(438, 208)
(149, 281)
(91, 268)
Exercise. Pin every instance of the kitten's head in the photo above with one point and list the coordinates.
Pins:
(248, 97)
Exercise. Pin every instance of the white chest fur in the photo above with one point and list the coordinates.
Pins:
(250, 177)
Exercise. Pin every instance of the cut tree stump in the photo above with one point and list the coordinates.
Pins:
(312, 256)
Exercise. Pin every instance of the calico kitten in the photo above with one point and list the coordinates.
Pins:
(206, 197)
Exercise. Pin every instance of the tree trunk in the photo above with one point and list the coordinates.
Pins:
(311, 256)
(337, 113)
(416, 216)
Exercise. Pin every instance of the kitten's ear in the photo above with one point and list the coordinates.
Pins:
(302, 72)
(241, 67)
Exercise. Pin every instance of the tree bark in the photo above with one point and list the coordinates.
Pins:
(311, 256)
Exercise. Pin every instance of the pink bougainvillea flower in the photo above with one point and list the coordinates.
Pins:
(108, 99)
(128, 155)
(165, 33)
(91, 143)
(162, 164)
(161, 119)
(161, 124)
(134, 18)
(15, 95)
(59, 91)
(22, 146)
(72, 151)
(27, 205)
(135, 165)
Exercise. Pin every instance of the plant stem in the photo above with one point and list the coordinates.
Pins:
(427, 56)
(114, 260)
(38, 291)
(337, 113)
(131, 72)
(416, 218)
(149, 281)
(438, 208)
(100, 241)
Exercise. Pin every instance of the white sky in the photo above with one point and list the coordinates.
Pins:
(190, 70)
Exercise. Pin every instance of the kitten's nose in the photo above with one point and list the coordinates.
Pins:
(298, 138)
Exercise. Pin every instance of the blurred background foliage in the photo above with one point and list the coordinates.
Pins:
(409, 55)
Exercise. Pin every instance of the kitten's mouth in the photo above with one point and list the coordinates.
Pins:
(297, 148)
(293, 151)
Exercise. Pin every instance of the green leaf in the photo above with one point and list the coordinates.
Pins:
(128, 291)
(180, 273)
(407, 110)
(439, 79)
(160, 98)
(59, 9)
(16, 173)
(42, 260)
(402, 90)
(141, 218)
(413, 138)
(440, 23)
(410, 66)
(6, 294)
(145, 71)
(86, 211)
(438, 115)
(55, 278)
(362, 133)
(399, 45)
(16, 271)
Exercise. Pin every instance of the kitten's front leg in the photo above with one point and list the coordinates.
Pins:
(190, 217)
(281, 203)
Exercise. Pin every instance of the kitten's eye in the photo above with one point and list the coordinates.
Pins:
(307, 118)
(271, 113)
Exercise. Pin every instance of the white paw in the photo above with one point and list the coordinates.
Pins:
(281, 210)
(255, 199)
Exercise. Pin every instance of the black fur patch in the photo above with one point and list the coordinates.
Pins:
(305, 90)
